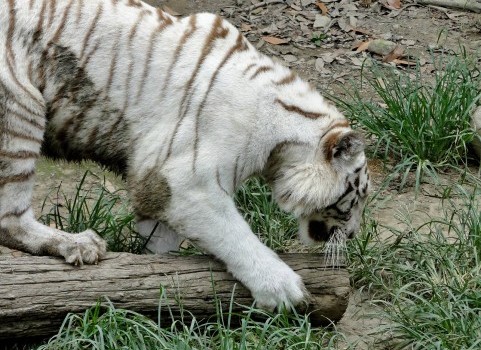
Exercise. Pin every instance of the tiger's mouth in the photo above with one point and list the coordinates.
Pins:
(319, 231)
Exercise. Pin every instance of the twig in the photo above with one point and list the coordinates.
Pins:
(470, 5)
(440, 9)
(397, 13)
(264, 3)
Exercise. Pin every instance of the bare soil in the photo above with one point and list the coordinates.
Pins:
(329, 64)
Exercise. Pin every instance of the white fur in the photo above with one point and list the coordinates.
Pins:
(205, 143)
(160, 239)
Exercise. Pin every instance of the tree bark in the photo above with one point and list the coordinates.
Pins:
(36, 293)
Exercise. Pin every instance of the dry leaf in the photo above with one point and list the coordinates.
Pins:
(170, 11)
(397, 52)
(395, 4)
(246, 27)
(274, 41)
(363, 46)
(391, 4)
(323, 8)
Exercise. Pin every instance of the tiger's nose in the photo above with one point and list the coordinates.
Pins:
(319, 231)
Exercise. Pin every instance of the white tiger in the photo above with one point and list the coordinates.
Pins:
(186, 109)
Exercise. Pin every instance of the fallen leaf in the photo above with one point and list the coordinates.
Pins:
(170, 11)
(356, 61)
(274, 41)
(363, 47)
(246, 27)
(321, 21)
(391, 4)
(396, 4)
(344, 25)
(330, 56)
(323, 8)
(397, 52)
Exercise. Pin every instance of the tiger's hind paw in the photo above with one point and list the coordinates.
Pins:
(84, 247)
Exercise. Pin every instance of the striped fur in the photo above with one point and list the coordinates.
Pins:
(186, 109)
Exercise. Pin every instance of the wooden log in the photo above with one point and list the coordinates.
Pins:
(36, 292)
(470, 5)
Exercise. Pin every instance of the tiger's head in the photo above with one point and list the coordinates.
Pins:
(325, 187)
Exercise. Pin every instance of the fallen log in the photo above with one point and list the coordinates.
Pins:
(470, 5)
(36, 293)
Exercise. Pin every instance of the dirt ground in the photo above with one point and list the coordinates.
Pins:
(330, 64)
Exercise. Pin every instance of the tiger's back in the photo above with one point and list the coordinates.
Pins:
(186, 109)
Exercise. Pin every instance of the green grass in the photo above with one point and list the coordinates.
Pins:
(428, 279)
(273, 226)
(417, 124)
(94, 206)
(106, 327)
(109, 213)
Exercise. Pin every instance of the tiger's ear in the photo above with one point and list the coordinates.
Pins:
(346, 147)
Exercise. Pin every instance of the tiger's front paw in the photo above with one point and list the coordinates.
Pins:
(279, 288)
(84, 247)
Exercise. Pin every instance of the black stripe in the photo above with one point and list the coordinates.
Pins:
(4, 180)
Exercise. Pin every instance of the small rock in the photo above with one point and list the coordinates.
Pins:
(319, 65)
(289, 58)
(381, 47)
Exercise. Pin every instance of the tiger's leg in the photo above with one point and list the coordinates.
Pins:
(208, 217)
(212, 221)
(161, 239)
(21, 133)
